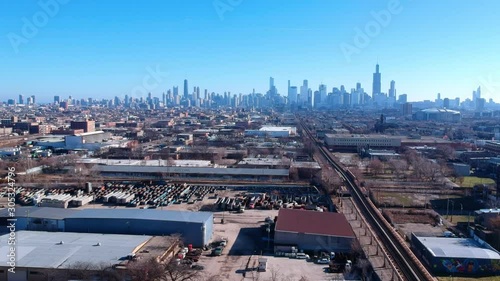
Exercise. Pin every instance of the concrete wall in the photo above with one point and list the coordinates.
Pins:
(192, 233)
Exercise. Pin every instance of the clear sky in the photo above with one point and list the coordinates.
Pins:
(95, 48)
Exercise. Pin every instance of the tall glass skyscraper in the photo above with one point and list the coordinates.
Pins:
(377, 84)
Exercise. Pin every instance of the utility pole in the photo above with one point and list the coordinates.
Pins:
(452, 209)
(447, 208)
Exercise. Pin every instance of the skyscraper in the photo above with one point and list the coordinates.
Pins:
(292, 95)
(392, 90)
(304, 90)
(186, 88)
(21, 99)
(476, 94)
(377, 84)
(322, 93)
(57, 99)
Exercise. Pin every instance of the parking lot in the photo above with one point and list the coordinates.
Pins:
(246, 245)
(247, 240)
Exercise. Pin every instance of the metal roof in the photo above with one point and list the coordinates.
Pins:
(312, 222)
(39, 212)
(37, 249)
(190, 170)
(142, 214)
(445, 247)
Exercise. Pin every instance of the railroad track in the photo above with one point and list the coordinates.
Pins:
(407, 265)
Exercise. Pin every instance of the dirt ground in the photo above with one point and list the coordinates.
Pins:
(246, 246)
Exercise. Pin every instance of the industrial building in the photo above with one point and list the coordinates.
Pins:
(312, 231)
(438, 114)
(272, 132)
(195, 227)
(37, 218)
(218, 172)
(55, 255)
(356, 142)
(87, 126)
(456, 256)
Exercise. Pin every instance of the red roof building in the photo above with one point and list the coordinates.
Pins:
(313, 231)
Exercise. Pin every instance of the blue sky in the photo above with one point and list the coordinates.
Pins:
(91, 48)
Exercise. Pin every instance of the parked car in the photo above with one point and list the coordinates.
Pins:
(217, 251)
(223, 243)
(323, 261)
(302, 256)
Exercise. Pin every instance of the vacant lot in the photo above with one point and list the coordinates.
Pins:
(471, 181)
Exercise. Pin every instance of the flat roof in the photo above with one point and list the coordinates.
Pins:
(191, 170)
(38, 249)
(142, 214)
(89, 133)
(39, 212)
(352, 136)
(445, 247)
(276, 128)
(132, 162)
(313, 222)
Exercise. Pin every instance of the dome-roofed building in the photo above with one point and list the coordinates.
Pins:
(438, 114)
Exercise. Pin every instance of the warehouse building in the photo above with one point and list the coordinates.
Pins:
(438, 114)
(312, 231)
(272, 132)
(37, 218)
(159, 172)
(356, 142)
(456, 256)
(195, 227)
(62, 256)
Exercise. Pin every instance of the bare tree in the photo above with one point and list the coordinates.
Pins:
(399, 166)
(376, 166)
(447, 152)
(150, 270)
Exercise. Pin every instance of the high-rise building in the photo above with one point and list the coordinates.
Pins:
(392, 90)
(292, 95)
(322, 93)
(316, 99)
(406, 109)
(377, 82)
(304, 90)
(21, 99)
(186, 88)
(403, 98)
(476, 94)
(57, 99)
(446, 103)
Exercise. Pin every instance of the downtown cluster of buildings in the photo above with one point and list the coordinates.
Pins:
(303, 96)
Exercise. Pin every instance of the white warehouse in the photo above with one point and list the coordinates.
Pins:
(272, 131)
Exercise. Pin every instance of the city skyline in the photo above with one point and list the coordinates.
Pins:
(88, 50)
